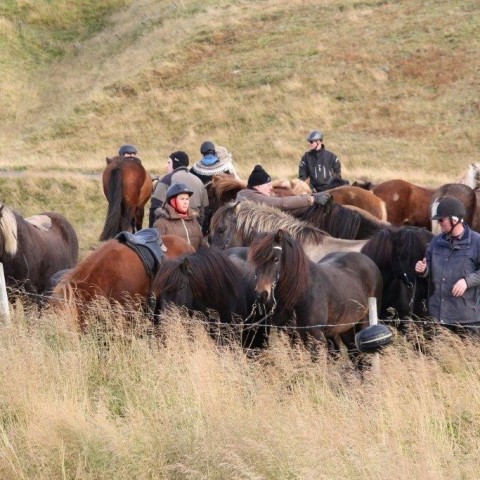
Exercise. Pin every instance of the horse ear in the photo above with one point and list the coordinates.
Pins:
(108, 160)
(185, 264)
(279, 236)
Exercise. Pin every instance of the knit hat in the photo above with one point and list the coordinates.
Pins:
(179, 159)
(258, 177)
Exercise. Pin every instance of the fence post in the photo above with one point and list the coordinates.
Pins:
(4, 307)
(373, 319)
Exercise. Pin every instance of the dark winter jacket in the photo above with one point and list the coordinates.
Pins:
(320, 167)
(449, 260)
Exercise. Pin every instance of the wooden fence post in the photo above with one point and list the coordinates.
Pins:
(4, 307)
(373, 319)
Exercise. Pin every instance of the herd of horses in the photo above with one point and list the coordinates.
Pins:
(310, 271)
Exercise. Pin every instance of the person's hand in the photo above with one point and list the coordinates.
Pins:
(321, 198)
(459, 288)
(421, 266)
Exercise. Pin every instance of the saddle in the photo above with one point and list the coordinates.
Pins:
(147, 244)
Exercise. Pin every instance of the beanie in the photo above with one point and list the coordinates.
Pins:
(258, 177)
(179, 159)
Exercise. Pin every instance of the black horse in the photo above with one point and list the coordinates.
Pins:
(213, 283)
(396, 251)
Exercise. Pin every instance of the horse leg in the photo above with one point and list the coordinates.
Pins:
(359, 360)
(139, 214)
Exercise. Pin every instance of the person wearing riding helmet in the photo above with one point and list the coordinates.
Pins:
(452, 262)
(177, 218)
(127, 151)
(319, 166)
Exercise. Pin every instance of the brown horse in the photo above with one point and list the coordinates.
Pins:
(328, 299)
(469, 198)
(127, 187)
(113, 271)
(406, 203)
(359, 197)
(33, 249)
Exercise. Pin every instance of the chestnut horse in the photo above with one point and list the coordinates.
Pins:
(466, 195)
(33, 249)
(359, 197)
(324, 300)
(127, 187)
(406, 203)
(113, 271)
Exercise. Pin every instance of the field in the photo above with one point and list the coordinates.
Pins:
(393, 85)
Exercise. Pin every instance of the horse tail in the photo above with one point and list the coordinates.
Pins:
(114, 221)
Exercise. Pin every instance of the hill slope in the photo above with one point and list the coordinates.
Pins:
(394, 85)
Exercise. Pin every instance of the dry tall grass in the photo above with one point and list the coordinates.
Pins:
(114, 405)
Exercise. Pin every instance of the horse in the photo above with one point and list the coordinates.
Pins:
(471, 177)
(406, 203)
(114, 272)
(209, 280)
(127, 187)
(236, 224)
(33, 249)
(341, 221)
(324, 300)
(396, 251)
(466, 195)
(359, 197)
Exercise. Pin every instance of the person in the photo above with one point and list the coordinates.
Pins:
(215, 160)
(177, 172)
(319, 166)
(452, 262)
(127, 151)
(177, 218)
(259, 189)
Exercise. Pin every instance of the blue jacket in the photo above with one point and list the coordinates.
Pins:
(448, 261)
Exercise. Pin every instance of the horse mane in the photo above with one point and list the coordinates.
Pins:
(210, 273)
(224, 183)
(291, 287)
(286, 188)
(8, 227)
(254, 217)
(406, 242)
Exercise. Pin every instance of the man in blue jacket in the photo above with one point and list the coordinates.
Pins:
(453, 263)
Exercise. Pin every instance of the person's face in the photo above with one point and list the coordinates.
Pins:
(183, 201)
(315, 144)
(129, 154)
(448, 223)
(169, 165)
(266, 188)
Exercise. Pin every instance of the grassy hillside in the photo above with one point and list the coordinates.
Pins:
(394, 85)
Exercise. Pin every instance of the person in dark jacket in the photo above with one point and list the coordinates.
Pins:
(319, 166)
(453, 263)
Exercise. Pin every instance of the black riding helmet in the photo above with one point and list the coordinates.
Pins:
(127, 149)
(176, 189)
(448, 207)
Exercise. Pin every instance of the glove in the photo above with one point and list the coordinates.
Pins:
(321, 198)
